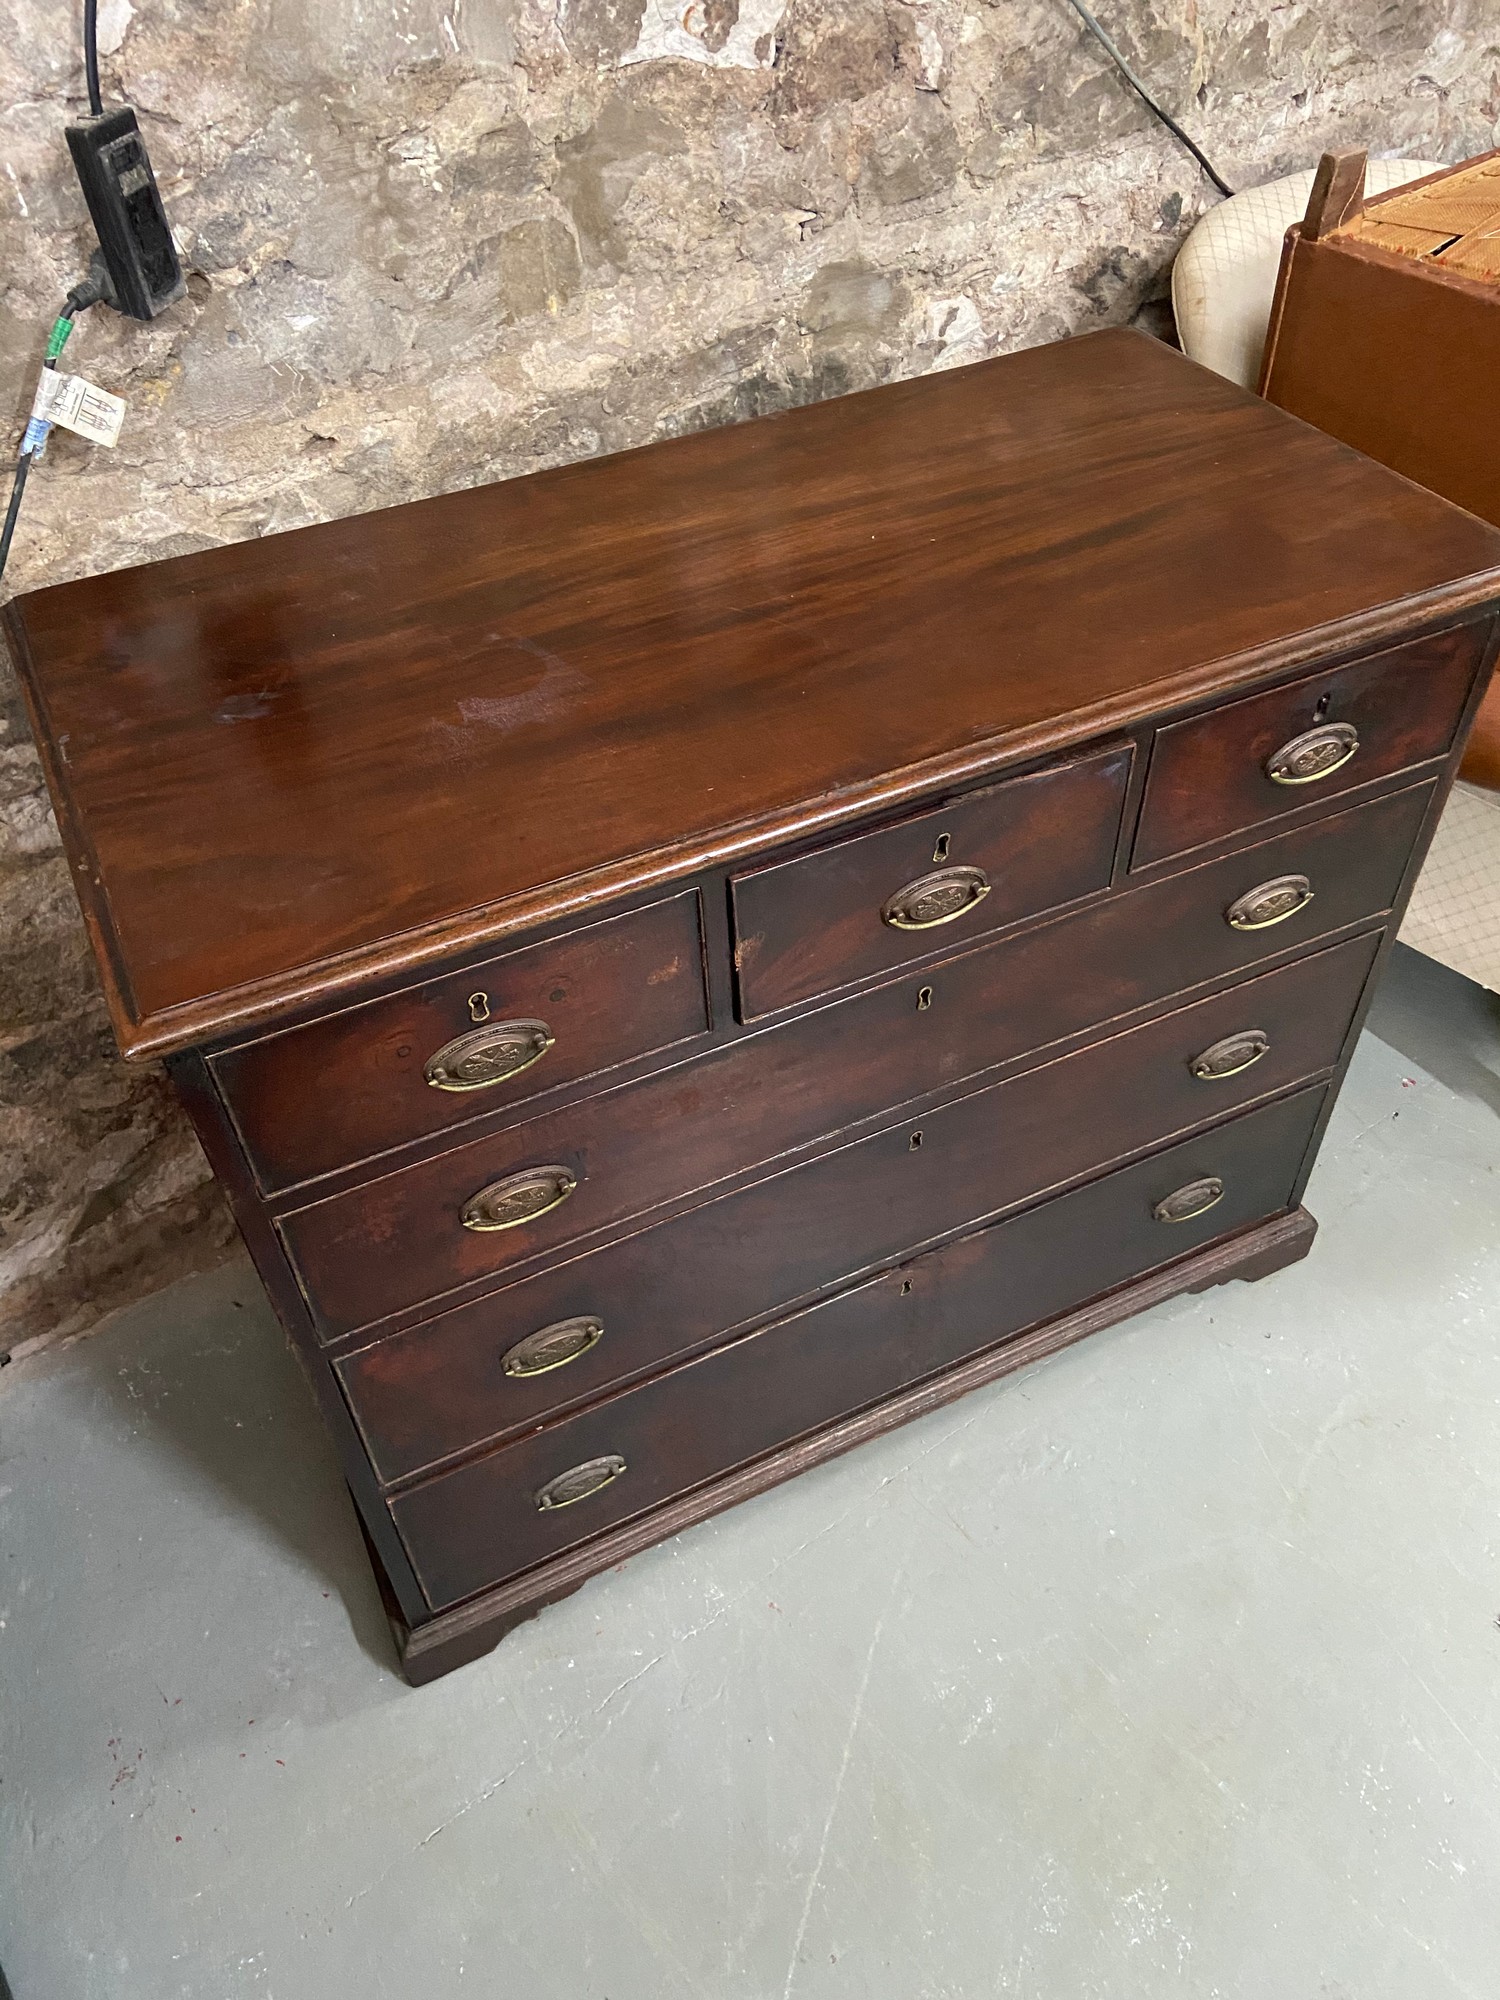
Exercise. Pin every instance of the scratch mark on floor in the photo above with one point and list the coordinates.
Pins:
(838, 1783)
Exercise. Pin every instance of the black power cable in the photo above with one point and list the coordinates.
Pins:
(1100, 36)
(91, 56)
(78, 300)
(18, 487)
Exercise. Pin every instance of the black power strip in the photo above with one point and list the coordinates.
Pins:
(141, 265)
(136, 268)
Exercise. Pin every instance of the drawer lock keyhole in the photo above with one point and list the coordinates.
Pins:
(479, 1006)
(924, 999)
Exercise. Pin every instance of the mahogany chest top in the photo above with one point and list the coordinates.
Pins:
(289, 765)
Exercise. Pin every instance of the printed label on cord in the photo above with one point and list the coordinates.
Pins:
(78, 406)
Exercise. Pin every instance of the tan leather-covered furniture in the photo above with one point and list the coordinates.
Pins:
(1385, 331)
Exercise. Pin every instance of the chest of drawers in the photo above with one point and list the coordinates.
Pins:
(686, 961)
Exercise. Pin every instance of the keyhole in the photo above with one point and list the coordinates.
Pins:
(940, 852)
(1325, 702)
(924, 999)
(905, 1287)
(916, 1142)
(479, 1006)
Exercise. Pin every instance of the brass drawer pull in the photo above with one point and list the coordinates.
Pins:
(1317, 753)
(579, 1482)
(1270, 903)
(488, 1055)
(518, 1198)
(935, 899)
(1233, 1054)
(552, 1346)
(1197, 1198)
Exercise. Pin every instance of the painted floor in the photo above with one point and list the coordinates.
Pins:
(1170, 1666)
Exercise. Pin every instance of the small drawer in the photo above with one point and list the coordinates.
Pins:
(511, 1510)
(516, 1358)
(380, 1075)
(1253, 760)
(938, 879)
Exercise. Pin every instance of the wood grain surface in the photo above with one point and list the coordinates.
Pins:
(288, 764)
(475, 1526)
(439, 1389)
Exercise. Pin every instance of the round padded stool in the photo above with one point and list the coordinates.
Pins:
(1225, 276)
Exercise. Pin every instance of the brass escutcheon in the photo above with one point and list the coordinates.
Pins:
(1230, 1056)
(518, 1198)
(579, 1481)
(935, 899)
(488, 1055)
(1269, 903)
(1197, 1198)
(1317, 753)
(552, 1346)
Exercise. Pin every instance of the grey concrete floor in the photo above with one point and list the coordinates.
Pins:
(1171, 1666)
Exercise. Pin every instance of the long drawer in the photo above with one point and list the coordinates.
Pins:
(504, 1513)
(398, 1242)
(514, 1359)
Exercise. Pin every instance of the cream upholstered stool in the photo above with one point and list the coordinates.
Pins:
(1222, 286)
(1225, 275)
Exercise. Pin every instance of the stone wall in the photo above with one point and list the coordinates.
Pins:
(433, 244)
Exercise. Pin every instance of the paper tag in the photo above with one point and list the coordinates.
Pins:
(78, 406)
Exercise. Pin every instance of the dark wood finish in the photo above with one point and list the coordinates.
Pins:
(454, 1638)
(475, 1527)
(352, 1085)
(439, 1388)
(398, 1241)
(438, 1644)
(951, 1020)
(808, 926)
(292, 765)
(543, 743)
(1209, 775)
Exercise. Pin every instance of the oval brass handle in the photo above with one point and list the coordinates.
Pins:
(935, 899)
(518, 1198)
(1183, 1203)
(487, 1055)
(552, 1346)
(1233, 1054)
(579, 1482)
(1316, 753)
(1269, 903)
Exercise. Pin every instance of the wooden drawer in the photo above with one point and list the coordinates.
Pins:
(399, 1240)
(824, 920)
(482, 1522)
(317, 1098)
(443, 1387)
(1212, 775)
